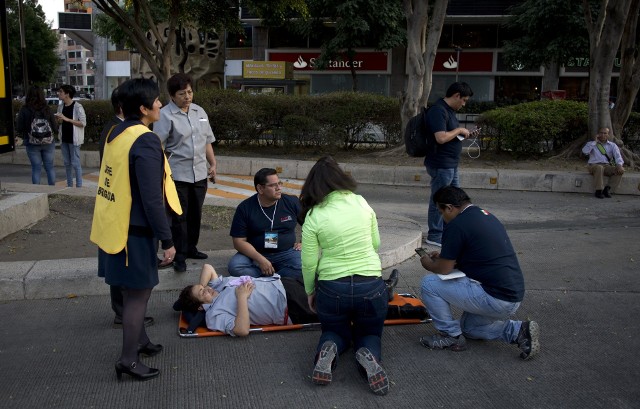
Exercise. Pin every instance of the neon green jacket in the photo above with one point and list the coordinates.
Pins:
(340, 238)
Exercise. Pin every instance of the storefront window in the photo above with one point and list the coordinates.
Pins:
(518, 89)
(375, 84)
(481, 86)
(469, 36)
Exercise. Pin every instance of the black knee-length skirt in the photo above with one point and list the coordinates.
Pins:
(135, 267)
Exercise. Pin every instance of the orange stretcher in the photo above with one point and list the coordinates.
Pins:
(414, 313)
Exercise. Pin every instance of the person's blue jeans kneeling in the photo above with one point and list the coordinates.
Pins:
(484, 316)
(287, 263)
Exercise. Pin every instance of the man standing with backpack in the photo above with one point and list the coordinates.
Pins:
(37, 125)
(444, 144)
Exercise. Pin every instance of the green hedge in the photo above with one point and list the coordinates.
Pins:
(98, 113)
(347, 120)
(343, 119)
(533, 128)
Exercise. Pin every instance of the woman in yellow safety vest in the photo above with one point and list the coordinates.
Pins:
(130, 216)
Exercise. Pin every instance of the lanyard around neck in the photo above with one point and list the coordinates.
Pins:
(265, 215)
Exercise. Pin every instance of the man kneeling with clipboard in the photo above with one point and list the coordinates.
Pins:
(489, 291)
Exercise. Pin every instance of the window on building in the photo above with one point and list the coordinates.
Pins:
(240, 40)
(469, 36)
(71, 43)
(91, 80)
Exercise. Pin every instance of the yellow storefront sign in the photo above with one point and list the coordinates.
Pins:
(273, 70)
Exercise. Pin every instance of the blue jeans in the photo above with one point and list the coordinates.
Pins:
(39, 155)
(484, 316)
(71, 156)
(287, 263)
(352, 311)
(439, 179)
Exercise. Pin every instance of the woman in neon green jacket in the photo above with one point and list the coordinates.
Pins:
(342, 272)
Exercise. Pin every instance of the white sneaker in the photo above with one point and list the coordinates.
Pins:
(433, 243)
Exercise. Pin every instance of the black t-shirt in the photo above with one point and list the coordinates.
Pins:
(482, 250)
(442, 118)
(251, 222)
(67, 127)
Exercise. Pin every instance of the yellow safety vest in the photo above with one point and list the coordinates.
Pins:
(110, 226)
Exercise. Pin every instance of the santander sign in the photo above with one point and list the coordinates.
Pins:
(370, 61)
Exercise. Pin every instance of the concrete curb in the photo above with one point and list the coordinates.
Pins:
(399, 236)
(78, 277)
(472, 178)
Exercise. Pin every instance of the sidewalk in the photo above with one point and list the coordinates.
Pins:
(62, 278)
(581, 286)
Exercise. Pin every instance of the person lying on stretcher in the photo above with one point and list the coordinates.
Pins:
(232, 304)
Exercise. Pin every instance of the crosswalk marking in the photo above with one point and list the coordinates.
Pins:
(226, 186)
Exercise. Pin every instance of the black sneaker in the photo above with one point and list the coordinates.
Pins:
(528, 340)
(391, 283)
(606, 192)
(322, 370)
(376, 376)
(445, 341)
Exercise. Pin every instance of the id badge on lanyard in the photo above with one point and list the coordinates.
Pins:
(270, 236)
(271, 240)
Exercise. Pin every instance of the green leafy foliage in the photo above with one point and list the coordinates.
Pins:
(41, 44)
(343, 119)
(546, 31)
(534, 128)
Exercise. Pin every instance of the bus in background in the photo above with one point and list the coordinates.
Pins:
(7, 138)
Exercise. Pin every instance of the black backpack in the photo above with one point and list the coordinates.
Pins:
(40, 132)
(415, 135)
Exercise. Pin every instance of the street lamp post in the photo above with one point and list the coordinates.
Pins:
(458, 50)
(23, 46)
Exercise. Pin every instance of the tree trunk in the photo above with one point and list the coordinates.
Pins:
(551, 77)
(605, 34)
(436, 22)
(416, 13)
(421, 52)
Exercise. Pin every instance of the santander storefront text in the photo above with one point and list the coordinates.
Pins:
(306, 61)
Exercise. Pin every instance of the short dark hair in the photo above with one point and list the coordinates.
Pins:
(178, 82)
(459, 87)
(451, 195)
(135, 93)
(187, 300)
(68, 89)
(324, 177)
(260, 178)
(115, 101)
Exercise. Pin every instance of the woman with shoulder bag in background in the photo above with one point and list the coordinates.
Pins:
(39, 143)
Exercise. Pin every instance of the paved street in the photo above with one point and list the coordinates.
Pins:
(580, 258)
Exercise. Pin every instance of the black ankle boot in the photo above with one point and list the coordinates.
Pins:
(130, 370)
(150, 349)
(391, 283)
(606, 190)
(599, 194)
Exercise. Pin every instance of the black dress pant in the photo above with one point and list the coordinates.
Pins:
(185, 228)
